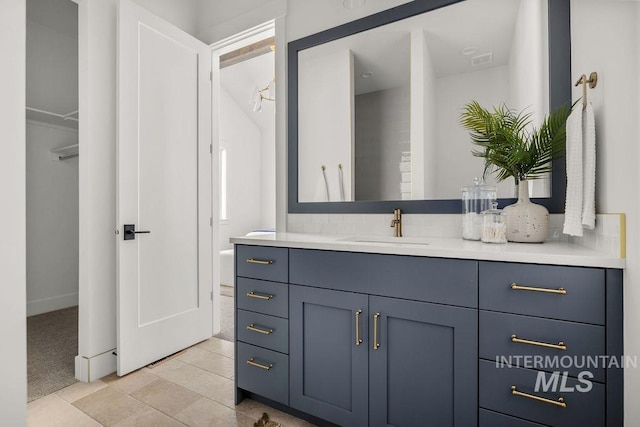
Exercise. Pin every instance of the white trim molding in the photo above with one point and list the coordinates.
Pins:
(96, 367)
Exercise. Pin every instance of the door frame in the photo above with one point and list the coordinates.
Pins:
(97, 323)
(218, 49)
(97, 39)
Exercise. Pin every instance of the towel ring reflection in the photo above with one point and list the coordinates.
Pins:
(326, 183)
(341, 181)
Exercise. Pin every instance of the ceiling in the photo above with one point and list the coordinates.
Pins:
(59, 15)
(487, 25)
(52, 28)
(240, 79)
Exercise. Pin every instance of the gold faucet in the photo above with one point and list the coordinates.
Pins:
(396, 223)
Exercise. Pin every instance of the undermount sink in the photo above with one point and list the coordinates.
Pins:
(387, 239)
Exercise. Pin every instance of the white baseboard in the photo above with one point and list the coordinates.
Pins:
(46, 305)
(93, 368)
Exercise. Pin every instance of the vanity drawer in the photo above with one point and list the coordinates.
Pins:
(582, 409)
(494, 419)
(263, 297)
(263, 372)
(497, 329)
(557, 292)
(439, 280)
(262, 262)
(264, 331)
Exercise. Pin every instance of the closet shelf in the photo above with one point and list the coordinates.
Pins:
(63, 153)
(68, 116)
(69, 120)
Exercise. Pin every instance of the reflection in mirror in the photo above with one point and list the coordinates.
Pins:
(380, 109)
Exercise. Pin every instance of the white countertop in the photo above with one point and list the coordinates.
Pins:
(558, 253)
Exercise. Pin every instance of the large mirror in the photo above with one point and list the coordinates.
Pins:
(374, 104)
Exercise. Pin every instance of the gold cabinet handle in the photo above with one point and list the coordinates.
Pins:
(251, 327)
(560, 346)
(559, 291)
(376, 344)
(258, 296)
(358, 340)
(560, 402)
(260, 261)
(259, 365)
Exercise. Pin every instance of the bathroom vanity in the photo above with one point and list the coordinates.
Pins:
(361, 331)
(408, 332)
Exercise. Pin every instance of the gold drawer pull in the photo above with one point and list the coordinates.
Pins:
(560, 402)
(560, 291)
(560, 346)
(358, 339)
(376, 344)
(258, 296)
(259, 365)
(251, 327)
(260, 261)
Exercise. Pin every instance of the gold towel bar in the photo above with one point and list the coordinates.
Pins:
(560, 346)
(560, 402)
(516, 287)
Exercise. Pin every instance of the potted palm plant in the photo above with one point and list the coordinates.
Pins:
(512, 147)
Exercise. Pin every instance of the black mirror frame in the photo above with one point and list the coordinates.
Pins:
(559, 94)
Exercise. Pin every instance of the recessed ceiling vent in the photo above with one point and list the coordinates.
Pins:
(484, 59)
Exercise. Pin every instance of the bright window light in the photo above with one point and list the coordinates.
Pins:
(223, 185)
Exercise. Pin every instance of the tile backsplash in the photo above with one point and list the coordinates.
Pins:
(417, 225)
(608, 236)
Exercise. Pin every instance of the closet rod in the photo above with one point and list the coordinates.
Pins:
(68, 156)
(62, 116)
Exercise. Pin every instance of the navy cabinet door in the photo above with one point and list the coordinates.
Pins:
(423, 364)
(328, 370)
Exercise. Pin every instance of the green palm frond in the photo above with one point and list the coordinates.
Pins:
(510, 145)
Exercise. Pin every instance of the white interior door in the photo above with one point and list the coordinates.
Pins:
(164, 188)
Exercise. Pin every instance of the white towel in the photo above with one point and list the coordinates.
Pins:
(581, 159)
(589, 169)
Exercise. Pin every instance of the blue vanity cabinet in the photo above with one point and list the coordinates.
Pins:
(261, 322)
(329, 354)
(422, 364)
(362, 360)
(366, 339)
(359, 357)
(546, 334)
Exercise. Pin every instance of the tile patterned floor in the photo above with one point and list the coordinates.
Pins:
(193, 389)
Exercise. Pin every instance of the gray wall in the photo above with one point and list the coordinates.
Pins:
(241, 138)
(52, 187)
(52, 220)
(382, 134)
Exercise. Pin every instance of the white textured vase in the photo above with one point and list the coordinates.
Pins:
(526, 222)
